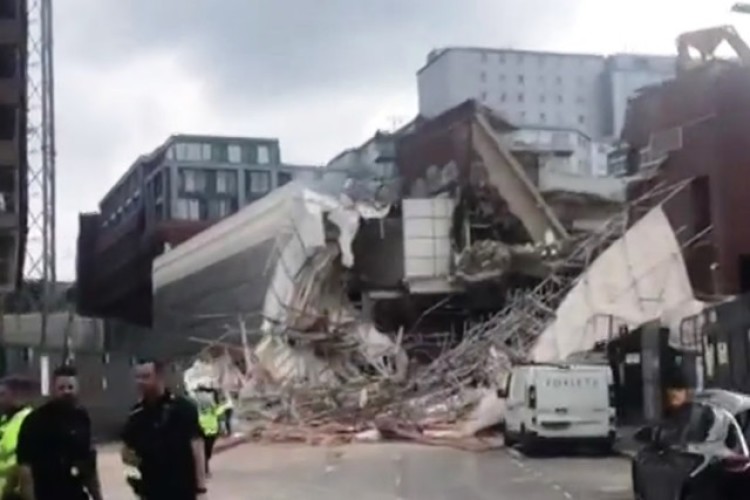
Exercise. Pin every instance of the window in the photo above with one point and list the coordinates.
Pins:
(733, 440)
(542, 99)
(502, 97)
(519, 57)
(219, 152)
(234, 153)
(482, 77)
(484, 96)
(258, 182)
(558, 79)
(559, 99)
(218, 209)
(581, 119)
(188, 209)
(520, 78)
(579, 100)
(226, 181)
(501, 58)
(542, 117)
(264, 155)
(743, 420)
(520, 97)
(284, 178)
(193, 180)
(502, 78)
(159, 210)
(192, 151)
(483, 57)
(158, 185)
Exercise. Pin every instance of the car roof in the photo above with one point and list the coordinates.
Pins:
(733, 402)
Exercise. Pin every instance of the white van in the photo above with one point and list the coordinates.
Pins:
(559, 402)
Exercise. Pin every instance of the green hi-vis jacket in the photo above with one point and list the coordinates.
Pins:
(10, 428)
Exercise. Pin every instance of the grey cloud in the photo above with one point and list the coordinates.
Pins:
(261, 49)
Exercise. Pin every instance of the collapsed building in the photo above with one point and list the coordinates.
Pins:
(425, 262)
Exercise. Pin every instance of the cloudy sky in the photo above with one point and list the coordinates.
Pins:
(321, 75)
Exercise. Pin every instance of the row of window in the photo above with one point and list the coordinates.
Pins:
(255, 154)
(202, 182)
(522, 79)
(521, 97)
(198, 209)
(195, 180)
(541, 59)
(128, 207)
(543, 118)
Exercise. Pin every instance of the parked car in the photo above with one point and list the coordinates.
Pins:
(560, 403)
(704, 456)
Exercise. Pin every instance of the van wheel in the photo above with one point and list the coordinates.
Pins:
(607, 447)
(508, 439)
(528, 444)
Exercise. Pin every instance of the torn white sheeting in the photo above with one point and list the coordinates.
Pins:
(220, 373)
(201, 374)
(640, 278)
(303, 238)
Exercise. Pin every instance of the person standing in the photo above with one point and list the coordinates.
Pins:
(226, 412)
(162, 439)
(207, 401)
(56, 455)
(15, 407)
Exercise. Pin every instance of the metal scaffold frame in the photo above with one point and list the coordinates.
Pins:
(40, 247)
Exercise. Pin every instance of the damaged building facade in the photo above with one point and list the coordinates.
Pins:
(404, 278)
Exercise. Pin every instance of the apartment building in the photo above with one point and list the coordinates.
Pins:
(182, 187)
(543, 91)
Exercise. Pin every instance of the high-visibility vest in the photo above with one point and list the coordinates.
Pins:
(209, 420)
(9, 432)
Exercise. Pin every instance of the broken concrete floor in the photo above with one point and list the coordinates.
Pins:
(398, 471)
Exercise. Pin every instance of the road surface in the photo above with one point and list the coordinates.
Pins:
(397, 471)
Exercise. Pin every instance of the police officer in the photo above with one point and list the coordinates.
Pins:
(56, 454)
(15, 396)
(163, 440)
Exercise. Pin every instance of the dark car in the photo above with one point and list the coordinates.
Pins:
(702, 456)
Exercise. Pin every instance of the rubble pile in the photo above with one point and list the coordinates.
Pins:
(322, 374)
(326, 371)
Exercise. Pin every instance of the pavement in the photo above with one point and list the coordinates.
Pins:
(389, 471)
(626, 444)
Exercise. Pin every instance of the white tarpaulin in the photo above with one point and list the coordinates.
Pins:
(640, 278)
(303, 239)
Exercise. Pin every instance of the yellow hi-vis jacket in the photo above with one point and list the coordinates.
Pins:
(9, 431)
(208, 417)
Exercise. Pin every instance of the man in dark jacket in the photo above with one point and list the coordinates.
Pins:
(163, 440)
(56, 455)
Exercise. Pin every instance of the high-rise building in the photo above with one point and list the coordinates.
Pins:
(542, 91)
(165, 197)
(13, 158)
(529, 88)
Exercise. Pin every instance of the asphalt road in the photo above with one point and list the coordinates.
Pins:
(398, 471)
